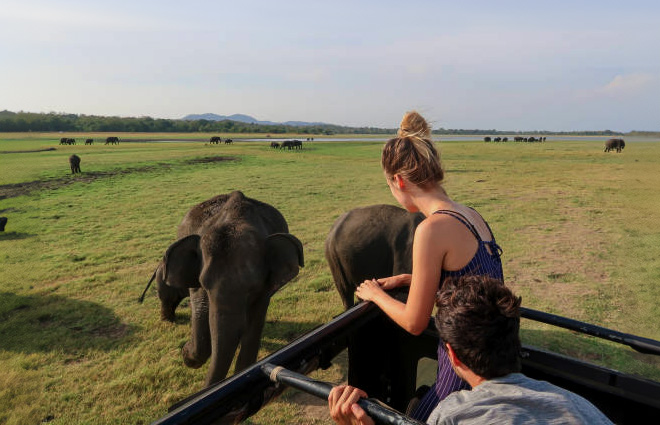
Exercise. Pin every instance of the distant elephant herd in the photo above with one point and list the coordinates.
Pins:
(288, 144)
(610, 145)
(515, 139)
(112, 140)
(215, 140)
(74, 160)
(233, 253)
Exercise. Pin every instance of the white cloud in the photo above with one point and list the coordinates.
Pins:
(631, 84)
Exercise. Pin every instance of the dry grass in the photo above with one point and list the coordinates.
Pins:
(579, 230)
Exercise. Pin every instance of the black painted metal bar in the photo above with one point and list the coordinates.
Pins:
(379, 412)
(638, 343)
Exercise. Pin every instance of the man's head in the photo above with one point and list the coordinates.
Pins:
(479, 318)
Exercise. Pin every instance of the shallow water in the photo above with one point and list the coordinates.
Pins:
(600, 139)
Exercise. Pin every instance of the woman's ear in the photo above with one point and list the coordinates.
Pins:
(399, 181)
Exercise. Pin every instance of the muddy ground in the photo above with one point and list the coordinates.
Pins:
(21, 189)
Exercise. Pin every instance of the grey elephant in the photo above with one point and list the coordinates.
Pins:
(287, 144)
(233, 253)
(615, 144)
(370, 242)
(74, 162)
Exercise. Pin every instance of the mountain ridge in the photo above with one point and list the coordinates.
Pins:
(247, 119)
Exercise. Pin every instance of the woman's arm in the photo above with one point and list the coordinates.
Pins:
(428, 254)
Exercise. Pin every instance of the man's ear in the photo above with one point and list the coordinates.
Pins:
(453, 359)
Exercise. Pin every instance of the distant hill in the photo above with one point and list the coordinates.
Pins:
(247, 119)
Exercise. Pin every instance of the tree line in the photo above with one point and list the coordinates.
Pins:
(46, 122)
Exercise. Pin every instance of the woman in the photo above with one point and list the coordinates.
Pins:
(453, 240)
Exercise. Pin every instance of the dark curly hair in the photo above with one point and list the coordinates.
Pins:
(480, 318)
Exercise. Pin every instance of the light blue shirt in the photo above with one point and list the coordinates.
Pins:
(516, 399)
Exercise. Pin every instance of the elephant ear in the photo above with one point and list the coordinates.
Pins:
(284, 256)
(182, 263)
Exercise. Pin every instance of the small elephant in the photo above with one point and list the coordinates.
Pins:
(615, 144)
(74, 162)
(233, 254)
(274, 145)
(89, 141)
(367, 243)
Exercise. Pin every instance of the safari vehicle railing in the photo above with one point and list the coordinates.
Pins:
(383, 361)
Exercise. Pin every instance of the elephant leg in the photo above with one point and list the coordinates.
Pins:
(227, 320)
(251, 339)
(198, 349)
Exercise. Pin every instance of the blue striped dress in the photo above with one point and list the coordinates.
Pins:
(486, 261)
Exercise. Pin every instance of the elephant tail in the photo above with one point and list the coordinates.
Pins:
(141, 299)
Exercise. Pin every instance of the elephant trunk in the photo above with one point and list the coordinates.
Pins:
(141, 299)
(198, 349)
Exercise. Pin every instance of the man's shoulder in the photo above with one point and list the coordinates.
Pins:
(516, 398)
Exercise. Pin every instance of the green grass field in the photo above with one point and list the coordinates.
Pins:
(579, 228)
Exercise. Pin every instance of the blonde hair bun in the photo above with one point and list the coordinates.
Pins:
(414, 125)
(412, 154)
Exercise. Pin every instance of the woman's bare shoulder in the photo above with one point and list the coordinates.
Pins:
(438, 227)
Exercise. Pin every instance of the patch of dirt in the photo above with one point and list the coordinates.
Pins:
(112, 332)
(312, 407)
(210, 159)
(20, 189)
(36, 150)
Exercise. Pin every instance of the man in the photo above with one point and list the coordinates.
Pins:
(478, 318)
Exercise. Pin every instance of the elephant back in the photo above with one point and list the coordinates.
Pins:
(367, 243)
(232, 207)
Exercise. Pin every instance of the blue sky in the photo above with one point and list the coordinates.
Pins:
(506, 65)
